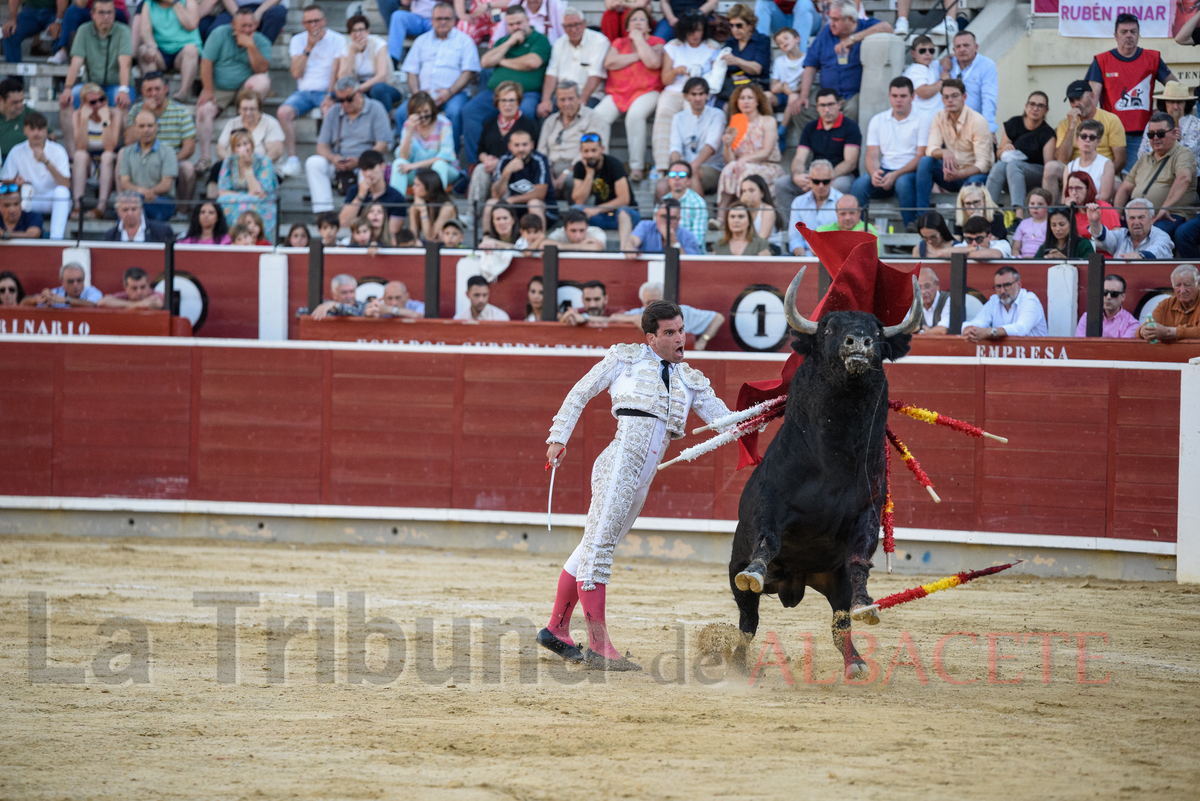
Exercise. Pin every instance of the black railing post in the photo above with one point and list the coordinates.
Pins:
(433, 278)
(316, 272)
(1095, 295)
(549, 281)
(958, 292)
(671, 274)
(172, 299)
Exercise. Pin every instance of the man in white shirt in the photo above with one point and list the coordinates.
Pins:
(478, 292)
(579, 57)
(926, 74)
(814, 208)
(978, 73)
(314, 54)
(576, 234)
(1011, 312)
(1140, 240)
(696, 138)
(74, 292)
(896, 142)
(442, 63)
(44, 167)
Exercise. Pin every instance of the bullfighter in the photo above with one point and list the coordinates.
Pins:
(652, 390)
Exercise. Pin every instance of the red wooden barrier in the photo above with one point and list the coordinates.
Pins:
(449, 332)
(82, 322)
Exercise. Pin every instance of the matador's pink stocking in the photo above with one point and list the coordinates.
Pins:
(564, 603)
(592, 602)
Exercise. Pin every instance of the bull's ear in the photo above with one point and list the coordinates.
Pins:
(896, 347)
(803, 343)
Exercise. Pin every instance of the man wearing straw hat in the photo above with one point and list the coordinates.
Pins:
(652, 392)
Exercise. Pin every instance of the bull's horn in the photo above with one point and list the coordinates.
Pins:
(794, 318)
(912, 321)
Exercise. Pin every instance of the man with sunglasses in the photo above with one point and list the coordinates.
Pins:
(693, 209)
(15, 223)
(1011, 312)
(1117, 323)
(354, 125)
(815, 208)
(45, 167)
(105, 47)
(74, 292)
(926, 74)
(1166, 176)
(601, 181)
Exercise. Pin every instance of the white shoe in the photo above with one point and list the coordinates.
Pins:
(902, 26)
(58, 58)
(291, 167)
(354, 9)
(947, 28)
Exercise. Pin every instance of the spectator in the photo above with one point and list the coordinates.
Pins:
(1011, 312)
(1116, 323)
(431, 208)
(327, 228)
(935, 304)
(926, 75)
(978, 242)
(634, 65)
(763, 217)
(500, 227)
(46, 168)
(1026, 146)
(614, 21)
(1176, 317)
(492, 144)
(595, 306)
(1141, 239)
(366, 58)
(1080, 192)
(601, 188)
(1188, 33)
(74, 292)
(975, 201)
(344, 303)
(578, 56)
(77, 13)
(835, 53)
(102, 46)
(207, 225)
(517, 59)
(235, 60)
(691, 55)
(959, 150)
(169, 36)
(12, 113)
(1083, 107)
(1100, 168)
(749, 150)
(441, 63)
(11, 291)
(15, 223)
(354, 126)
(535, 297)
(478, 292)
(372, 187)
(250, 222)
(99, 147)
(702, 320)
(426, 143)
(896, 143)
(676, 11)
(149, 168)
(648, 235)
(833, 137)
(269, 17)
(176, 128)
(849, 218)
(533, 235)
(1178, 101)
(1031, 233)
(1166, 176)
(947, 27)
(395, 303)
(132, 225)
(576, 234)
(136, 295)
(314, 54)
(29, 19)
(1063, 240)
(268, 135)
(935, 235)
(415, 20)
(748, 61)
(452, 234)
(786, 72)
(476, 18)
(1123, 78)
(696, 138)
(815, 208)
(805, 20)
(379, 219)
(740, 237)
(248, 183)
(693, 209)
(523, 178)
(298, 236)
(978, 75)
(561, 133)
(545, 17)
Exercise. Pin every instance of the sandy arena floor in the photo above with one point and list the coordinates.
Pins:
(487, 735)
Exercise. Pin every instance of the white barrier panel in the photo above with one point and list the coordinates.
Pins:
(273, 296)
(1062, 300)
(81, 256)
(1187, 548)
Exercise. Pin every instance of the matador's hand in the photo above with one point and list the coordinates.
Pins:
(553, 453)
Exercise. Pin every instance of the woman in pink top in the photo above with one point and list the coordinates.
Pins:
(207, 226)
(634, 65)
(1031, 233)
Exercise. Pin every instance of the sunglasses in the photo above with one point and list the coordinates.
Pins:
(976, 239)
(589, 137)
(1108, 293)
(1087, 137)
(6, 188)
(96, 101)
(926, 51)
(821, 181)
(6, 289)
(1157, 134)
(678, 174)
(735, 26)
(345, 100)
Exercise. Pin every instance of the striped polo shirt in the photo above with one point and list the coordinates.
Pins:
(174, 125)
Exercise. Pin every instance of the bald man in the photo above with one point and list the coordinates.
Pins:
(395, 303)
(935, 305)
(849, 218)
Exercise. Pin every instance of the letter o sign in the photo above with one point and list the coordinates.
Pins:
(757, 320)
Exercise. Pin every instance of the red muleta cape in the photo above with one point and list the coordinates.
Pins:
(861, 282)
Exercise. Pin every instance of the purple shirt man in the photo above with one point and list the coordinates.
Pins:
(1117, 323)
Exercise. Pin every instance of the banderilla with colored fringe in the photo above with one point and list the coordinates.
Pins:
(904, 596)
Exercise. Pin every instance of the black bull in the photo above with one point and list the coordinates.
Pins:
(810, 513)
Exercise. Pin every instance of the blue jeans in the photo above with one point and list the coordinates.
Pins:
(479, 110)
(75, 16)
(304, 102)
(1170, 225)
(159, 210)
(805, 20)
(109, 89)
(1133, 143)
(30, 21)
(453, 111)
(904, 190)
(387, 95)
(386, 9)
(1187, 239)
(273, 20)
(405, 24)
(608, 220)
(929, 170)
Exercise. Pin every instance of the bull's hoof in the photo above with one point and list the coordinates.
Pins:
(749, 581)
(865, 614)
(857, 671)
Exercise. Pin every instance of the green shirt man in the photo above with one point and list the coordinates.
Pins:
(522, 56)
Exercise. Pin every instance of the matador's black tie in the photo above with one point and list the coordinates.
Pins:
(666, 374)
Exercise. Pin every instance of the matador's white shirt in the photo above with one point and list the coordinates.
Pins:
(632, 374)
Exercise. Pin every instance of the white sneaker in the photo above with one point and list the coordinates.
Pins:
(902, 26)
(291, 167)
(947, 28)
(58, 58)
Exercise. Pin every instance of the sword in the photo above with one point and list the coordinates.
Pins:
(552, 466)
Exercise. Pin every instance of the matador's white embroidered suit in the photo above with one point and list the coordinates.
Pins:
(621, 476)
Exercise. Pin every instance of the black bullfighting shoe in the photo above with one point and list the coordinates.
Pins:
(571, 653)
(597, 662)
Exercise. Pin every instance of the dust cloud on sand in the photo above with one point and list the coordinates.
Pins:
(467, 707)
